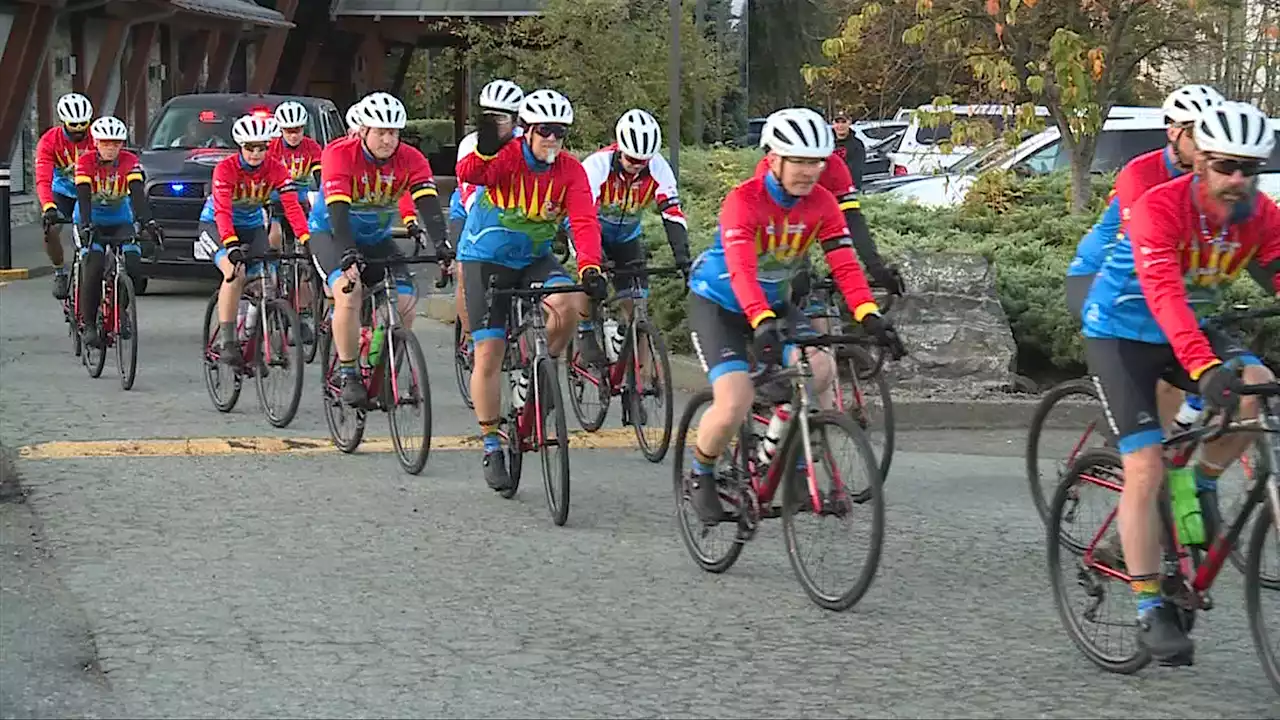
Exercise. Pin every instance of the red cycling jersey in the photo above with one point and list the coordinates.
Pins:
(835, 177)
(301, 161)
(753, 224)
(108, 187)
(350, 174)
(56, 155)
(1175, 246)
(236, 184)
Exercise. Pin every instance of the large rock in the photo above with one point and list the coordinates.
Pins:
(953, 326)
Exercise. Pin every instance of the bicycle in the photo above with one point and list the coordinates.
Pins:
(1187, 574)
(1082, 394)
(523, 425)
(270, 336)
(385, 345)
(71, 303)
(301, 272)
(622, 376)
(748, 475)
(856, 367)
(119, 325)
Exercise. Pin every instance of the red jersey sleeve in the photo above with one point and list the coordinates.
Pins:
(584, 222)
(335, 174)
(86, 167)
(479, 170)
(836, 178)
(738, 228)
(46, 148)
(314, 152)
(225, 175)
(1153, 230)
(131, 167)
(282, 181)
(837, 244)
(422, 183)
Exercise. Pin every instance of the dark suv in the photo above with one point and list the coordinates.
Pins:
(191, 134)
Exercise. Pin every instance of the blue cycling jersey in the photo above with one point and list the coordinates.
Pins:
(1140, 175)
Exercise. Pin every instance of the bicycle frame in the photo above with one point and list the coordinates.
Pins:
(616, 378)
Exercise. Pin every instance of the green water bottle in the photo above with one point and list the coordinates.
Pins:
(1186, 506)
(375, 352)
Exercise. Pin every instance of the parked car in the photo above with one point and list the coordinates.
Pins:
(874, 134)
(1119, 142)
(189, 136)
(877, 163)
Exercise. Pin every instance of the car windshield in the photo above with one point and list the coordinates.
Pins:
(190, 127)
(1273, 163)
(984, 157)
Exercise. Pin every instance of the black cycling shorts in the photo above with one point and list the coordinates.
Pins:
(721, 336)
(1125, 373)
(622, 255)
(66, 205)
(253, 241)
(327, 254)
(489, 322)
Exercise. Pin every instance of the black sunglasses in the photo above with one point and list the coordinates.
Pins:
(254, 147)
(1248, 168)
(551, 130)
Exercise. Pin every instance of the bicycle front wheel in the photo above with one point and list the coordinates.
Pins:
(280, 360)
(125, 329)
(408, 392)
(1051, 451)
(1254, 584)
(462, 362)
(346, 424)
(848, 499)
(713, 548)
(95, 358)
(654, 439)
(553, 439)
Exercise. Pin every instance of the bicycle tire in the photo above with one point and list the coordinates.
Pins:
(73, 321)
(658, 351)
(708, 563)
(127, 361)
(412, 463)
(311, 349)
(1089, 459)
(333, 402)
(1253, 584)
(212, 366)
(551, 404)
(1076, 386)
(820, 424)
(857, 362)
(95, 358)
(460, 364)
(515, 445)
(574, 377)
(292, 355)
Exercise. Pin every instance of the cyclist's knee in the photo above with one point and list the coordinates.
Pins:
(823, 365)
(406, 304)
(488, 357)
(1143, 470)
(734, 392)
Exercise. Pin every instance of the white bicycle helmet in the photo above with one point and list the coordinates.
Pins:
(353, 117)
(501, 95)
(1185, 104)
(291, 114)
(638, 134)
(109, 128)
(546, 106)
(250, 129)
(75, 109)
(798, 133)
(380, 110)
(1235, 128)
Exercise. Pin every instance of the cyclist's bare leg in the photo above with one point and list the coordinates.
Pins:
(229, 292)
(485, 378)
(1217, 456)
(53, 246)
(823, 365)
(562, 312)
(460, 302)
(275, 235)
(732, 395)
(346, 320)
(1139, 530)
(1168, 400)
(406, 305)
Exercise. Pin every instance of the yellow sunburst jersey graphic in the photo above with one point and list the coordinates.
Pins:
(627, 196)
(786, 241)
(534, 203)
(377, 190)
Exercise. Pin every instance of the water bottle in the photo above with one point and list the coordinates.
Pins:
(769, 443)
(375, 345)
(612, 339)
(246, 318)
(519, 388)
(1186, 506)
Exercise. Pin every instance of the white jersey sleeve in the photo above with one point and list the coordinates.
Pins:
(598, 164)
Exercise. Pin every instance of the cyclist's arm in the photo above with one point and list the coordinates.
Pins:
(224, 183)
(583, 220)
(44, 171)
(84, 187)
(336, 189)
(838, 246)
(840, 182)
(667, 198)
(288, 191)
(480, 169)
(738, 237)
(137, 193)
(597, 166)
(1153, 233)
(423, 199)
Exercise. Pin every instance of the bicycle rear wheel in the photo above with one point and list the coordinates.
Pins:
(708, 546)
(657, 385)
(278, 354)
(346, 424)
(1066, 446)
(553, 440)
(125, 323)
(589, 390)
(869, 403)
(412, 392)
(834, 499)
(315, 311)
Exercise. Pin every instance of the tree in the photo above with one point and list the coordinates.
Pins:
(1075, 57)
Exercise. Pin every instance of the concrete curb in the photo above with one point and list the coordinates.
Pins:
(909, 413)
(26, 273)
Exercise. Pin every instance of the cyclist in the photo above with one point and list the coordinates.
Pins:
(353, 121)
(627, 177)
(301, 155)
(105, 176)
(56, 154)
(233, 224)
(740, 284)
(500, 99)
(366, 178)
(529, 188)
(1183, 240)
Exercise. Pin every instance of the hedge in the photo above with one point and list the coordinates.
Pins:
(1024, 227)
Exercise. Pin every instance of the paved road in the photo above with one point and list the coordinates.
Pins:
(273, 585)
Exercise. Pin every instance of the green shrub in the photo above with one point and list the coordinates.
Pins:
(430, 134)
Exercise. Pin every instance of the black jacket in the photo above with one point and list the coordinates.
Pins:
(855, 156)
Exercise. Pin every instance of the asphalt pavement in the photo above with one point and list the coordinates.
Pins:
(182, 575)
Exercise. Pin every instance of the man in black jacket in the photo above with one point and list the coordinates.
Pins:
(850, 147)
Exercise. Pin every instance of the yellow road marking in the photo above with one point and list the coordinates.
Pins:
(15, 274)
(613, 438)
